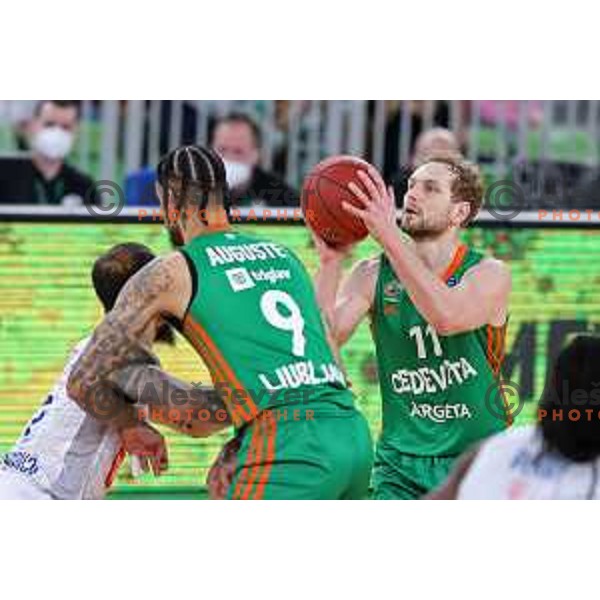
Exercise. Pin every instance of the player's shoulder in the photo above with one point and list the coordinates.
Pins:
(491, 267)
(164, 269)
(491, 262)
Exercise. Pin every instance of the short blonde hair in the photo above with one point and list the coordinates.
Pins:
(467, 185)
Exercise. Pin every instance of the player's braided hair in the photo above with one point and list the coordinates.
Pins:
(192, 173)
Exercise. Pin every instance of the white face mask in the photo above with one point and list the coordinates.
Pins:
(237, 173)
(53, 142)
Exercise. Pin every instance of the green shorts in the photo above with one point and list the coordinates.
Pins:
(294, 454)
(408, 477)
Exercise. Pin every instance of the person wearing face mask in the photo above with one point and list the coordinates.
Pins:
(237, 139)
(46, 178)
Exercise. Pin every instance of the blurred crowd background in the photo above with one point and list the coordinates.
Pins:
(52, 151)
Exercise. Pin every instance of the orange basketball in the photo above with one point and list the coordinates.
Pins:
(324, 190)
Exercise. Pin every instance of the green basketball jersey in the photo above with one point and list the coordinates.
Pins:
(438, 391)
(255, 321)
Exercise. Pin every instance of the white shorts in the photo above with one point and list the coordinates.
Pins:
(16, 487)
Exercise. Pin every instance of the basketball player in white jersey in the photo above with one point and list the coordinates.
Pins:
(558, 458)
(66, 453)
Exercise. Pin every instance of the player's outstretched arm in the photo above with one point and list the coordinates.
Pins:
(344, 308)
(355, 299)
(126, 333)
(193, 410)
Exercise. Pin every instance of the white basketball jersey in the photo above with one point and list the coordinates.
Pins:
(63, 451)
(512, 466)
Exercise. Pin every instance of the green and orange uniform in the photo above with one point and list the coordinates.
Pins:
(254, 319)
(440, 393)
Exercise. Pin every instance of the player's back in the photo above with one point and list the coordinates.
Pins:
(514, 466)
(63, 452)
(255, 321)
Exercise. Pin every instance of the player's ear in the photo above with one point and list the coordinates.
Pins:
(462, 213)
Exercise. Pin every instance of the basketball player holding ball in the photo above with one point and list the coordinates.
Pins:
(298, 432)
(438, 312)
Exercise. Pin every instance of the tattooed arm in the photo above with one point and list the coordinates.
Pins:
(125, 335)
(190, 409)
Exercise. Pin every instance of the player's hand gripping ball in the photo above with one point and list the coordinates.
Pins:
(325, 190)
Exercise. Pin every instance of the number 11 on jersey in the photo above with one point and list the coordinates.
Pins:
(417, 333)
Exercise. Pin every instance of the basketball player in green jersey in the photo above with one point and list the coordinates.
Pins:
(438, 313)
(248, 307)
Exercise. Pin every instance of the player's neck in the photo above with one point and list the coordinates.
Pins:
(438, 253)
(216, 222)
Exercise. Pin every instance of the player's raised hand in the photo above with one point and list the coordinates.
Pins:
(144, 441)
(329, 254)
(378, 211)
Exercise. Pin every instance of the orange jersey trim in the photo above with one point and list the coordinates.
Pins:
(216, 373)
(456, 261)
(496, 339)
(221, 371)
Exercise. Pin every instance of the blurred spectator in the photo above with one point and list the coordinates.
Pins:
(434, 142)
(16, 114)
(440, 116)
(45, 178)
(507, 111)
(238, 139)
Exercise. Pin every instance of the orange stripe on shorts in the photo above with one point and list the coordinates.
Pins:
(243, 476)
(270, 458)
(258, 466)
